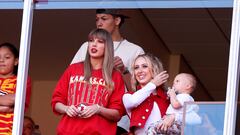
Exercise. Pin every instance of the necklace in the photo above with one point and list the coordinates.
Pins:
(118, 45)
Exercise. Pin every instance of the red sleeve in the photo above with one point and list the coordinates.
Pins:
(115, 101)
(28, 93)
(61, 90)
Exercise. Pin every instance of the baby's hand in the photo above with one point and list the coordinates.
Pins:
(171, 91)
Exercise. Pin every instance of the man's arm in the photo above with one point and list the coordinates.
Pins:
(118, 64)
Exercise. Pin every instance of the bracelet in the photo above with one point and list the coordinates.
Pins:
(126, 71)
(98, 109)
(66, 109)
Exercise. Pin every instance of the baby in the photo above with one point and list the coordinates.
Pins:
(183, 85)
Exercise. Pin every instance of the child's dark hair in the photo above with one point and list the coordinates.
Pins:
(34, 126)
(14, 51)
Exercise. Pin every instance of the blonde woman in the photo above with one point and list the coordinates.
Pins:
(149, 101)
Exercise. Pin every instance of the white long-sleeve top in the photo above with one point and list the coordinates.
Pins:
(131, 101)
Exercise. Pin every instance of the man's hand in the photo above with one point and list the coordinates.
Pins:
(118, 64)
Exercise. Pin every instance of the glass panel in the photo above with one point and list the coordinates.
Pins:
(11, 1)
(69, 18)
(80, 4)
(11, 4)
(212, 119)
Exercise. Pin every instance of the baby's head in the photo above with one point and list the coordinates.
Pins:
(184, 83)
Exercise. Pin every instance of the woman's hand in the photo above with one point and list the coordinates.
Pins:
(89, 111)
(72, 111)
(166, 123)
(160, 78)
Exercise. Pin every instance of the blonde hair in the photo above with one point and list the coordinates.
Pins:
(107, 67)
(154, 64)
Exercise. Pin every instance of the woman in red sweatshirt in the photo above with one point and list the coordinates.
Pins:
(89, 93)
